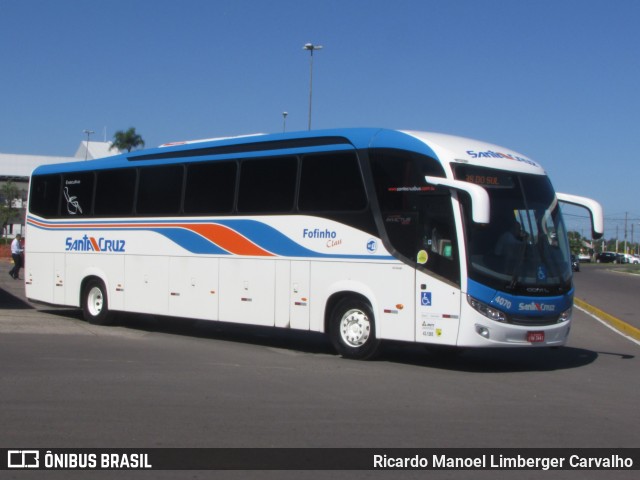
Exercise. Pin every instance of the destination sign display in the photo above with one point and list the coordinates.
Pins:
(484, 177)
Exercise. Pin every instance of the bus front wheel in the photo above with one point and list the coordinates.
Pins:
(352, 330)
(95, 307)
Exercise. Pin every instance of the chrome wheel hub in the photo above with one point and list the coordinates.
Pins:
(355, 328)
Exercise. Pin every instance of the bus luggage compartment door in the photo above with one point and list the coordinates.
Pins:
(247, 291)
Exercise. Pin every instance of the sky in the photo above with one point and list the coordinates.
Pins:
(556, 80)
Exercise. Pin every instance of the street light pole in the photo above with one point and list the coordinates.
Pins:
(284, 121)
(88, 133)
(311, 47)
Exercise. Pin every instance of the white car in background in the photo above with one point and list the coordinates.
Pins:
(584, 257)
(626, 258)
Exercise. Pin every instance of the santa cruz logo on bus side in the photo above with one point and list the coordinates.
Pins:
(93, 244)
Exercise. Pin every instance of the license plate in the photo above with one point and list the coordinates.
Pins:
(535, 337)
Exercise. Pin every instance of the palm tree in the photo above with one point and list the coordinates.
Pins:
(127, 140)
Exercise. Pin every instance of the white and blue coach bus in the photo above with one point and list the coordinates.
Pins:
(364, 234)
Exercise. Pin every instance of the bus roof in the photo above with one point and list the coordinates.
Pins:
(445, 148)
(475, 152)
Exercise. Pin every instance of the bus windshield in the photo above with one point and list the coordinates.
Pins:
(524, 250)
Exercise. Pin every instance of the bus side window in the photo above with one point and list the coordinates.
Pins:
(44, 195)
(402, 228)
(210, 188)
(160, 190)
(331, 182)
(115, 190)
(267, 185)
(418, 218)
(77, 192)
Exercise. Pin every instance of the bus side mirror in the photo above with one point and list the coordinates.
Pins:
(479, 196)
(593, 207)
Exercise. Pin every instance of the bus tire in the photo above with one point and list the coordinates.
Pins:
(95, 306)
(352, 330)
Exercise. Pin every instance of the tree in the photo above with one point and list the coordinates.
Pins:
(576, 242)
(127, 140)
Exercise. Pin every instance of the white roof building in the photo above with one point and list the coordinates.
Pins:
(95, 150)
(19, 166)
(15, 166)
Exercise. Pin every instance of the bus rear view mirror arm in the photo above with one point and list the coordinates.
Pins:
(594, 208)
(479, 196)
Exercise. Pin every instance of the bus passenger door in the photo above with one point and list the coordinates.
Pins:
(437, 258)
(437, 311)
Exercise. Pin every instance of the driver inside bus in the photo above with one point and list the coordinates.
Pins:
(510, 244)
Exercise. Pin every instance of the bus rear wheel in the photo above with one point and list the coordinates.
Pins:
(95, 306)
(352, 330)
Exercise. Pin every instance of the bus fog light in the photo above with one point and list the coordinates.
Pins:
(482, 331)
(565, 316)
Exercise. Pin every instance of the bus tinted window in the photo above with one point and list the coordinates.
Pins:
(267, 185)
(44, 195)
(397, 171)
(77, 192)
(331, 182)
(160, 190)
(210, 188)
(115, 191)
(418, 217)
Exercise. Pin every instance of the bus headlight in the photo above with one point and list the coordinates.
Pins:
(565, 316)
(487, 311)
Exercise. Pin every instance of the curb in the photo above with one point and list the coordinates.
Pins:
(616, 323)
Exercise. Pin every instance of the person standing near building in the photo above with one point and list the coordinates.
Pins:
(16, 254)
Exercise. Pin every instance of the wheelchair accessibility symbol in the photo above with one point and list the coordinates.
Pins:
(425, 299)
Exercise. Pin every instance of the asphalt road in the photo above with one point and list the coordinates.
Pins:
(610, 289)
(168, 383)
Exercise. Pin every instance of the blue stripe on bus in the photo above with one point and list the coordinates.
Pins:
(270, 239)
